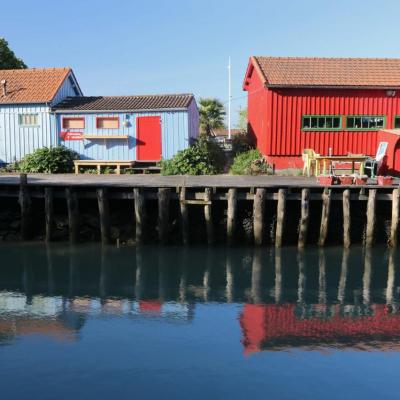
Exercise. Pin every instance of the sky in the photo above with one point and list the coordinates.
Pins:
(124, 47)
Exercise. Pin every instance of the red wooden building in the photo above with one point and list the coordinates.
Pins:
(347, 105)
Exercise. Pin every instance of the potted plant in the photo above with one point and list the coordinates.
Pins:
(361, 180)
(346, 180)
(385, 180)
(326, 180)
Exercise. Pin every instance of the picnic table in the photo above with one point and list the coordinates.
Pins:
(326, 161)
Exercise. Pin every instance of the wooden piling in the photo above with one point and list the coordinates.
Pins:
(73, 214)
(258, 216)
(346, 218)
(395, 218)
(280, 217)
(25, 205)
(140, 214)
(369, 234)
(326, 206)
(49, 213)
(305, 216)
(163, 214)
(184, 216)
(208, 216)
(104, 214)
(231, 216)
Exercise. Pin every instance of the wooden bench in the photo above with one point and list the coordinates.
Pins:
(102, 163)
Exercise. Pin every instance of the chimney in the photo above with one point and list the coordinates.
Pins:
(4, 86)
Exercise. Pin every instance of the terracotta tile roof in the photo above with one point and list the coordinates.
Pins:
(126, 103)
(31, 85)
(328, 72)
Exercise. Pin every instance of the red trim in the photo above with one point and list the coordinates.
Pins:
(107, 119)
(72, 119)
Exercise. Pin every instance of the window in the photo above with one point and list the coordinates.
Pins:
(365, 122)
(107, 123)
(396, 122)
(321, 123)
(73, 123)
(28, 119)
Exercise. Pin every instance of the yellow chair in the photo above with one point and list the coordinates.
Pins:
(309, 161)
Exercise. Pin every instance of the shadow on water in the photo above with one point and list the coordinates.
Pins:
(288, 299)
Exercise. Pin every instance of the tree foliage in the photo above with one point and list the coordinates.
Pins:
(242, 120)
(204, 157)
(250, 163)
(212, 113)
(8, 60)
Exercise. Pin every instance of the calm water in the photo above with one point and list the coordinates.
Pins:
(198, 323)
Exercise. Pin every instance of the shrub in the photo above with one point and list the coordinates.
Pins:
(240, 144)
(250, 163)
(204, 157)
(54, 160)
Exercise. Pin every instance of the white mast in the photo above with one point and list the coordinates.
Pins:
(229, 102)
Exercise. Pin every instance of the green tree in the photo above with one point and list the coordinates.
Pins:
(8, 60)
(212, 113)
(242, 120)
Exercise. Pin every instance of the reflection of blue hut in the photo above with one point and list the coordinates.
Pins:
(127, 128)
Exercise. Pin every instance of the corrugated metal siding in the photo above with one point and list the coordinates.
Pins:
(286, 106)
(16, 141)
(174, 128)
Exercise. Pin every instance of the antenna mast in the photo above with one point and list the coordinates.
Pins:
(229, 102)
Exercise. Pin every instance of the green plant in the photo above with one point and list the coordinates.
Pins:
(51, 160)
(204, 157)
(240, 144)
(250, 163)
(212, 115)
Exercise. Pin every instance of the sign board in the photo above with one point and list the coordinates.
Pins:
(67, 136)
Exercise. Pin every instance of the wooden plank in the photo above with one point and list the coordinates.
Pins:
(104, 214)
(73, 214)
(49, 213)
(25, 205)
(346, 219)
(258, 216)
(140, 214)
(326, 206)
(280, 218)
(395, 218)
(163, 214)
(231, 216)
(184, 216)
(304, 219)
(369, 234)
(208, 215)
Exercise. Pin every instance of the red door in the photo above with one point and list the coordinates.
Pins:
(148, 138)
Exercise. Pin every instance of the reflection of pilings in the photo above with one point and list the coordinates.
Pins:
(27, 277)
(162, 276)
(50, 272)
(183, 276)
(343, 276)
(103, 274)
(139, 274)
(73, 270)
(367, 276)
(229, 278)
(206, 276)
(301, 287)
(390, 278)
(322, 278)
(278, 276)
(256, 277)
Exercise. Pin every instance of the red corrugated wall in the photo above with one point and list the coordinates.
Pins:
(275, 119)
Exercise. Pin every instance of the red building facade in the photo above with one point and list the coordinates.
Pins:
(337, 105)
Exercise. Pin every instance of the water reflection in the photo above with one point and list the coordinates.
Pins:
(312, 299)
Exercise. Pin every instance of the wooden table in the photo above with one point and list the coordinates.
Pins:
(325, 160)
(102, 163)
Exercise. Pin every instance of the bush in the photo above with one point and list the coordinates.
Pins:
(204, 157)
(240, 144)
(54, 160)
(250, 163)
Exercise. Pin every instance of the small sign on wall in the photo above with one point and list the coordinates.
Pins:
(67, 136)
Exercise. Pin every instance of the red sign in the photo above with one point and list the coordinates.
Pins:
(71, 136)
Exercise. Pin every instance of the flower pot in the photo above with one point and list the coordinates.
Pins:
(325, 180)
(385, 180)
(361, 180)
(346, 180)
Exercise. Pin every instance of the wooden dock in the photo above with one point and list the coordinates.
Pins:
(268, 196)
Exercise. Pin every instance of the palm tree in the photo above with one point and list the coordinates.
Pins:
(212, 113)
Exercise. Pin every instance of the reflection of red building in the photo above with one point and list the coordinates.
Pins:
(277, 327)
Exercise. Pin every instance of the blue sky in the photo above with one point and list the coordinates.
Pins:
(138, 47)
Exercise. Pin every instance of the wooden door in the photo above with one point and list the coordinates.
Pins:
(148, 139)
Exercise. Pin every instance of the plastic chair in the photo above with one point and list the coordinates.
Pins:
(308, 158)
(373, 164)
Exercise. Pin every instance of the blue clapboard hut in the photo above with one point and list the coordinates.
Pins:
(131, 128)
